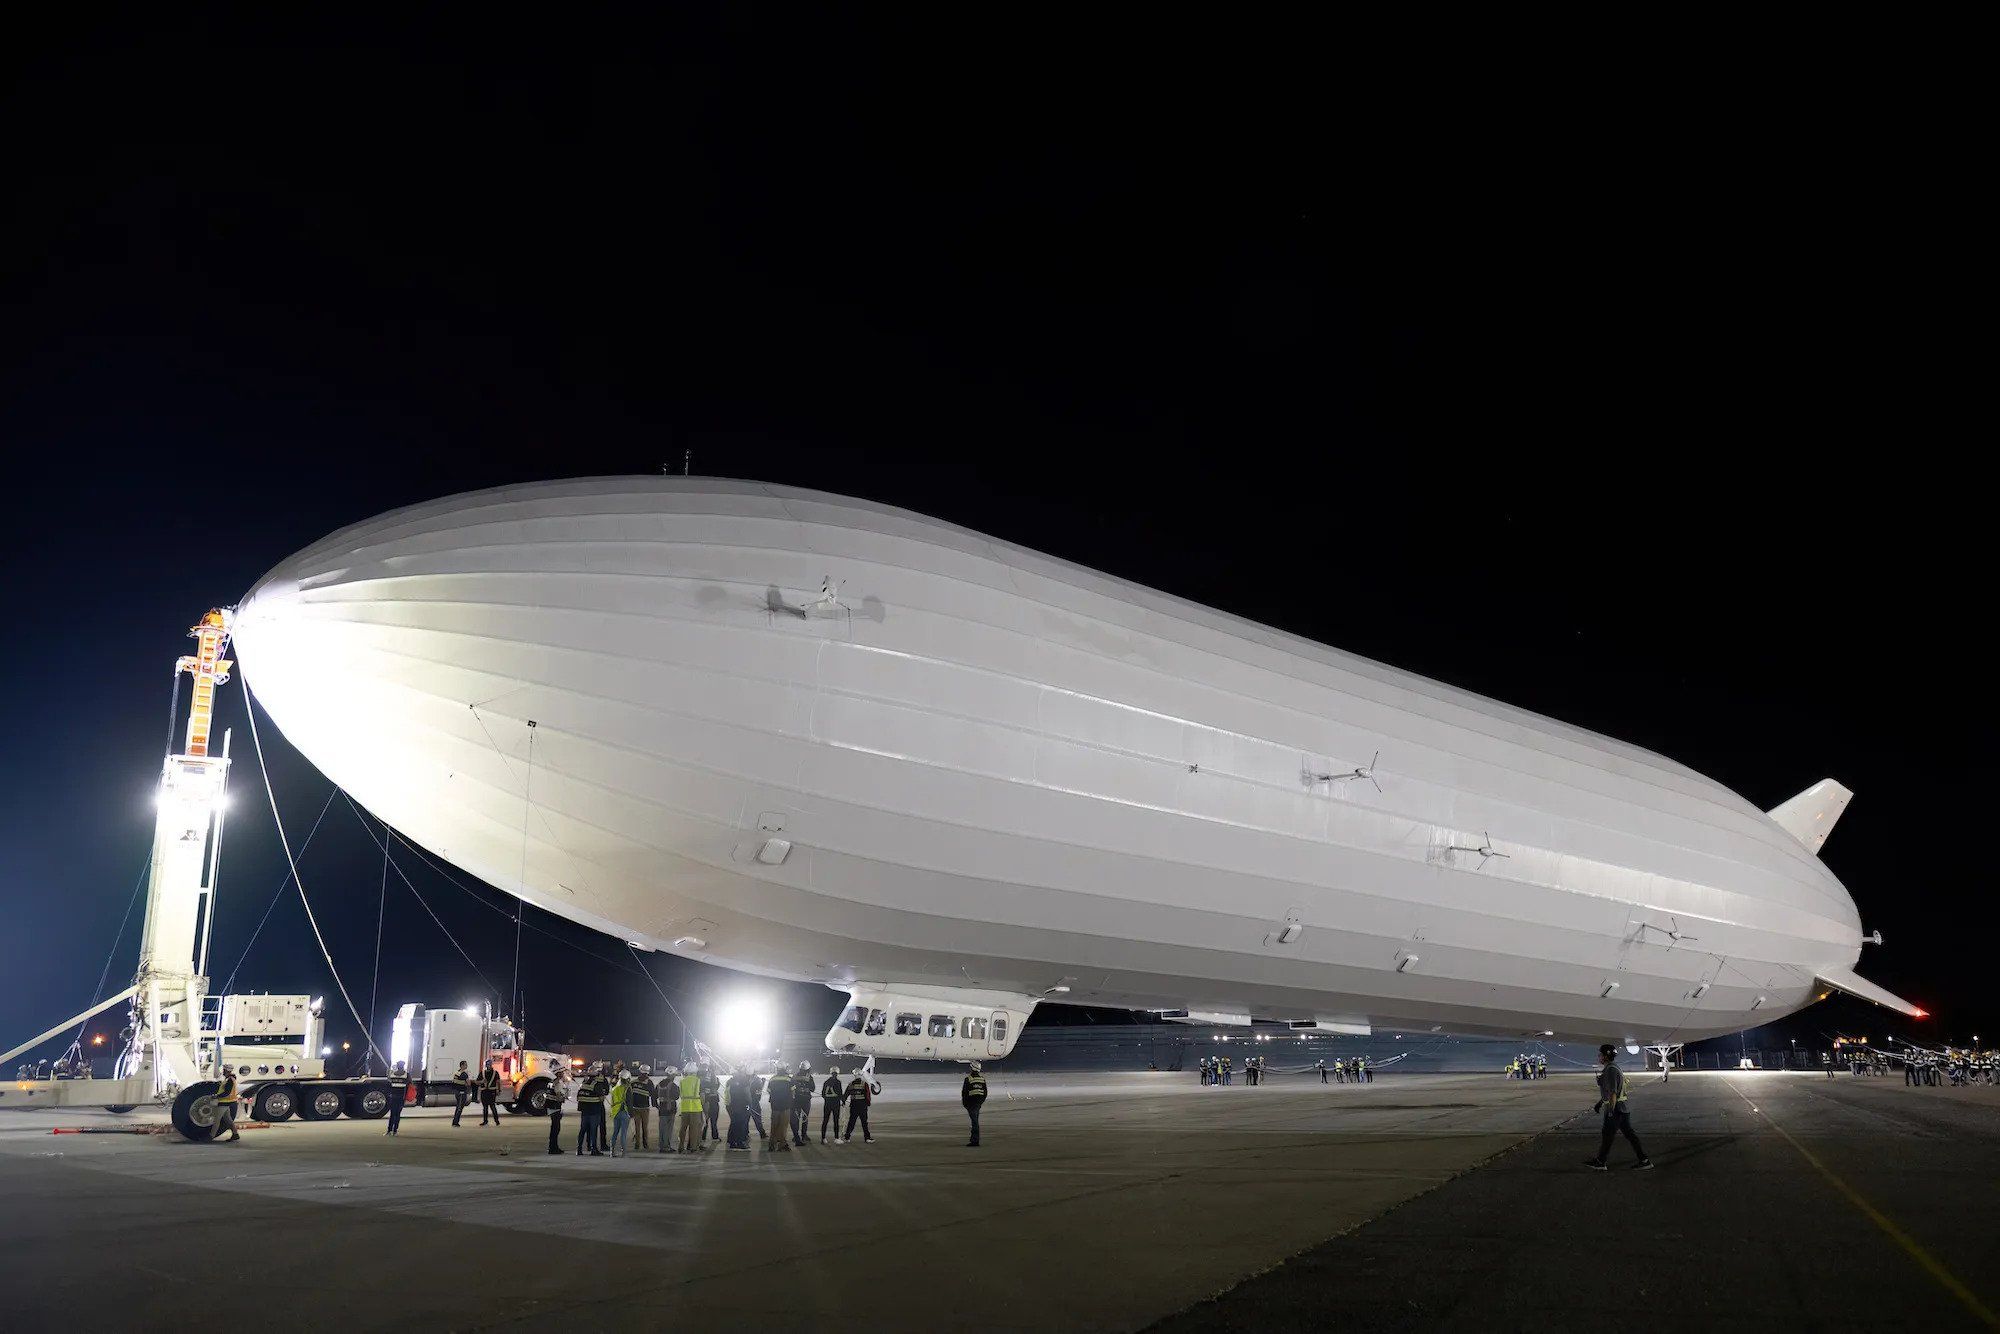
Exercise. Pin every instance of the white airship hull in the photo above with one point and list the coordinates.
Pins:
(821, 739)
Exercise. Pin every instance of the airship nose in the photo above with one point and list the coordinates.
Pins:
(266, 621)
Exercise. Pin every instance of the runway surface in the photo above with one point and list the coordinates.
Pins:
(1097, 1202)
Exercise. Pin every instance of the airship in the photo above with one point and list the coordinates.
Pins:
(817, 738)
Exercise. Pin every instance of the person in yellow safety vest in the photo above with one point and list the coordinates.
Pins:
(1611, 1095)
(226, 1102)
(621, 1119)
(690, 1113)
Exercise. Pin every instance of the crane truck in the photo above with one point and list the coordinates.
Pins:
(178, 1039)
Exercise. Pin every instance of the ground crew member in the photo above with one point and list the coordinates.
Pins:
(829, 1104)
(590, 1112)
(859, 1095)
(399, 1089)
(556, 1095)
(778, 1088)
(711, 1105)
(461, 1092)
(669, 1109)
(1321, 1064)
(802, 1101)
(226, 1100)
(489, 1094)
(972, 1094)
(621, 1119)
(754, 1085)
(639, 1105)
(1367, 1075)
(690, 1108)
(741, 1091)
(1611, 1101)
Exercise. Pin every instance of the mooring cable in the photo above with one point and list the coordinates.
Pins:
(250, 709)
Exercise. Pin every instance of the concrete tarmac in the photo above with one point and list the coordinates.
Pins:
(1107, 1201)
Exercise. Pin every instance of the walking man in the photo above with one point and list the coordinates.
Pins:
(1321, 1064)
(1617, 1119)
(972, 1094)
(399, 1089)
(489, 1095)
(461, 1091)
(553, 1099)
(226, 1100)
(859, 1095)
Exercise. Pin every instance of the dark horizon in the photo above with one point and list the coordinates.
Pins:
(1639, 414)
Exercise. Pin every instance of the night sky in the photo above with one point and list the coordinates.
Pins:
(1640, 398)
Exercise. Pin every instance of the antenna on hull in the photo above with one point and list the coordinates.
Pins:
(1485, 850)
(1367, 771)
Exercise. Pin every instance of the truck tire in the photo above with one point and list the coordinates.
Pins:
(195, 1113)
(320, 1104)
(275, 1102)
(368, 1104)
(534, 1099)
(120, 1109)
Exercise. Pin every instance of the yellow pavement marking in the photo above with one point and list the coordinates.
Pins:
(1931, 1264)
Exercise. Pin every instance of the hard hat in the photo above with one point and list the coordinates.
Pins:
(975, 1067)
(805, 1066)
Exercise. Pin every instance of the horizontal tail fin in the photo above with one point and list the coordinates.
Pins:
(1810, 816)
(1847, 980)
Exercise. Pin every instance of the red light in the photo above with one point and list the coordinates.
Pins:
(1923, 1014)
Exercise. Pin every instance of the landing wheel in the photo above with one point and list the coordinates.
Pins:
(369, 1104)
(121, 1108)
(196, 1112)
(275, 1102)
(535, 1102)
(321, 1104)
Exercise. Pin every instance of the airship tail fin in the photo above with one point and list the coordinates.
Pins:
(1809, 817)
(1847, 980)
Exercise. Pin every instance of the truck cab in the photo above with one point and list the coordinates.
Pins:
(431, 1043)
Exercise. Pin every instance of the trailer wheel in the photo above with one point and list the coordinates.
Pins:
(195, 1112)
(323, 1104)
(369, 1104)
(121, 1108)
(275, 1102)
(534, 1100)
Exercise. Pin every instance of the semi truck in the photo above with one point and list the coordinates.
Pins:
(430, 1043)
